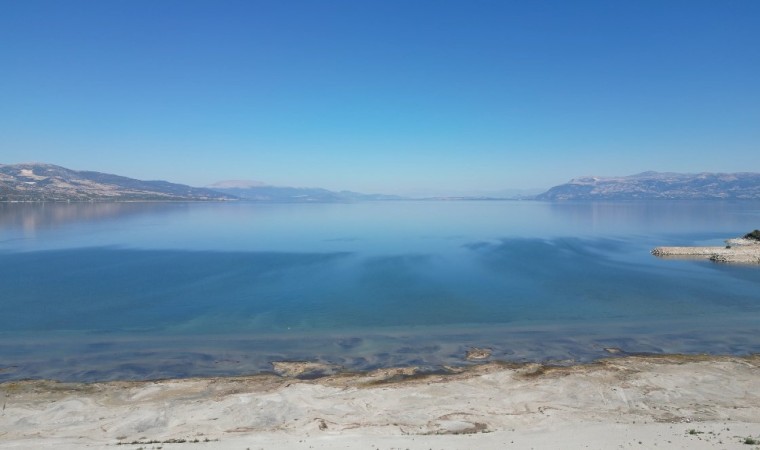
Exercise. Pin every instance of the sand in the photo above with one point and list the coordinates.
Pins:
(630, 402)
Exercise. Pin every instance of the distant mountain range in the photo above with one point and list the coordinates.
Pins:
(656, 185)
(257, 191)
(47, 182)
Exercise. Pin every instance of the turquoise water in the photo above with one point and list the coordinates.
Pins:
(141, 291)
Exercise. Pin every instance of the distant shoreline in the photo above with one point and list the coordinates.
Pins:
(99, 201)
(625, 201)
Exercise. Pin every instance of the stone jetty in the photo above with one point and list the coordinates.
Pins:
(744, 250)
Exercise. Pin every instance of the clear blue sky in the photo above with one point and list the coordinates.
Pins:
(386, 96)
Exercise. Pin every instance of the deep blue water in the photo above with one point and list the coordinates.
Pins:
(136, 291)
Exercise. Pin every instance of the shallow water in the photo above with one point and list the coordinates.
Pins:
(139, 291)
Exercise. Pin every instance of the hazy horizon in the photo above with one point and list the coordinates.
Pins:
(410, 98)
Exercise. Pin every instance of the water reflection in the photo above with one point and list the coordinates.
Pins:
(681, 217)
(685, 216)
(30, 217)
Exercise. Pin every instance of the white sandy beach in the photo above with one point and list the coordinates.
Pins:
(633, 402)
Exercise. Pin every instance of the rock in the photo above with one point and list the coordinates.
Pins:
(738, 250)
(303, 369)
(738, 258)
(477, 354)
(393, 373)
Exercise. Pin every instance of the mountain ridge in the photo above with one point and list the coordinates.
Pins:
(652, 185)
(49, 182)
(35, 182)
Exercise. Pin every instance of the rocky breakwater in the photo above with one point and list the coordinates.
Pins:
(743, 250)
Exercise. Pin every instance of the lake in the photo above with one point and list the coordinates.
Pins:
(101, 291)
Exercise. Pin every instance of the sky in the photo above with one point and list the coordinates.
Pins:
(395, 96)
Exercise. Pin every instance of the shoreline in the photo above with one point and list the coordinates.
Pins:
(737, 255)
(737, 250)
(655, 399)
(77, 357)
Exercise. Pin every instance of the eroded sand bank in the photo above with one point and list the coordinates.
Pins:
(667, 401)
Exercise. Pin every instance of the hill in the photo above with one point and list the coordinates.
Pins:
(47, 182)
(656, 185)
